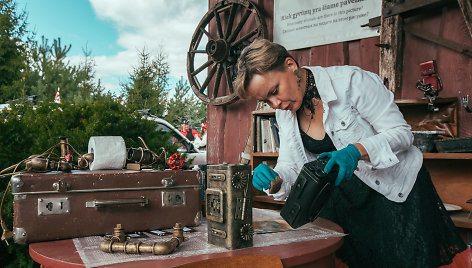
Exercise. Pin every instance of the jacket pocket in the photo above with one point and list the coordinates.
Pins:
(347, 129)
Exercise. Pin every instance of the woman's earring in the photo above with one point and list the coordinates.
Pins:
(299, 77)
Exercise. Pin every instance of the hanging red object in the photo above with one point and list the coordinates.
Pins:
(176, 162)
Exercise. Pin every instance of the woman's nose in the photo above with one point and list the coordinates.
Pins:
(274, 103)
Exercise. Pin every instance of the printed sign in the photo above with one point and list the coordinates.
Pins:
(302, 23)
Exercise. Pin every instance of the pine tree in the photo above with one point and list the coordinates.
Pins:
(147, 85)
(12, 61)
(185, 104)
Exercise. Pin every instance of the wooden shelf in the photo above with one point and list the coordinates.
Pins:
(447, 156)
(265, 154)
(406, 102)
(264, 112)
(462, 219)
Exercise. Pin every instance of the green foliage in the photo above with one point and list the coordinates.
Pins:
(147, 87)
(12, 60)
(49, 71)
(183, 104)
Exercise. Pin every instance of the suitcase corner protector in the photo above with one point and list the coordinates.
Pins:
(17, 183)
(19, 235)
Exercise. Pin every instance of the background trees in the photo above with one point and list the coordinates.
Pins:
(12, 48)
(183, 104)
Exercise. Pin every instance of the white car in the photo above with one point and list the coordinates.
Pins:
(198, 156)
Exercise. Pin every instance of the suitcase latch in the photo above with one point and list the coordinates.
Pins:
(168, 182)
(61, 186)
(50, 206)
(173, 198)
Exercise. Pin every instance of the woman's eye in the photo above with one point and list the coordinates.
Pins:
(276, 90)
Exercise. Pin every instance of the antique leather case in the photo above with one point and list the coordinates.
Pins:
(57, 205)
(309, 193)
(229, 205)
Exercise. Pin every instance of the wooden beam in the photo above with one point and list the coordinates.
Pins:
(391, 49)
(436, 39)
(466, 7)
(410, 7)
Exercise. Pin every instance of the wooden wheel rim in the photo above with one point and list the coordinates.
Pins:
(222, 49)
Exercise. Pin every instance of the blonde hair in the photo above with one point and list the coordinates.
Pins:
(259, 57)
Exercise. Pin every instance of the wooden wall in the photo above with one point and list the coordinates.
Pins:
(229, 125)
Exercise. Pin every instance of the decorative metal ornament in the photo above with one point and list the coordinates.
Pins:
(247, 232)
(239, 180)
(220, 53)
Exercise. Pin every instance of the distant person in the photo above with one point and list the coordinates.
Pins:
(190, 133)
(201, 143)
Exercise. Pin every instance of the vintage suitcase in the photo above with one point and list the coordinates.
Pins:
(228, 205)
(58, 205)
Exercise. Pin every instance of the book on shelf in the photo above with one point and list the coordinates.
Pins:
(275, 133)
(265, 134)
(258, 134)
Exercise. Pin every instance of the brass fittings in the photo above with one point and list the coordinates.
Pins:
(118, 244)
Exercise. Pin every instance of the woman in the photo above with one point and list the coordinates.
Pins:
(384, 199)
(201, 143)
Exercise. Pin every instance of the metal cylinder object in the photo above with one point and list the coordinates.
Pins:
(111, 245)
(140, 155)
(41, 164)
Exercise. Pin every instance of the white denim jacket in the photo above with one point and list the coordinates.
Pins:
(357, 109)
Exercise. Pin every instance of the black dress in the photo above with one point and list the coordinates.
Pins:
(383, 233)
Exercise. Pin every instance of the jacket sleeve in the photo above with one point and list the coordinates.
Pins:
(286, 167)
(375, 104)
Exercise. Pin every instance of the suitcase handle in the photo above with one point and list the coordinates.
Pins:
(116, 202)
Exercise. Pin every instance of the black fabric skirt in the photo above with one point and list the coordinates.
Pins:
(383, 233)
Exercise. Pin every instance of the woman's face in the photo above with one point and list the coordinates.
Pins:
(278, 88)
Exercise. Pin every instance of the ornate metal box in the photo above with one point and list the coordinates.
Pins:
(229, 205)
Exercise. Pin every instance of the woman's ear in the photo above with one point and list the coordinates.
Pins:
(290, 64)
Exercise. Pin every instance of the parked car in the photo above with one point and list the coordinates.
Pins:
(198, 156)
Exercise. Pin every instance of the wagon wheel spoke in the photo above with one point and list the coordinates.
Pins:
(228, 79)
(239, 26)
(208, 79)
(205, 65)
(216, 86)
(245, 37)
(210, 37)
(197, 51)
(229, 25)
(218, 23)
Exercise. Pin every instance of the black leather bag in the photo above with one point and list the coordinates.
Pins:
(309, 193)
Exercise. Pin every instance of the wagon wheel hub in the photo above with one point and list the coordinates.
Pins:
(218, 50)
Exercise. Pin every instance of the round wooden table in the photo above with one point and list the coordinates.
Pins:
(311, 253)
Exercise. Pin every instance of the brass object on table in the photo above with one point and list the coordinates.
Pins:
(43, 164)
(229, 205)
(118, 243)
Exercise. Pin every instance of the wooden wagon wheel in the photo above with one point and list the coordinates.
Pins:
(222, 49)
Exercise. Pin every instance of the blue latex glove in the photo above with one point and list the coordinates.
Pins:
(346, 159)
(262, 177)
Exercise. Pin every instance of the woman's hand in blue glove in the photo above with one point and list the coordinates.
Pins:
(262, 177)
(346, 159)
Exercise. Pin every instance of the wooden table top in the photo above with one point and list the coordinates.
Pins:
(62, 253)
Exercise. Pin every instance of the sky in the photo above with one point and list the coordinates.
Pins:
(116, 30)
